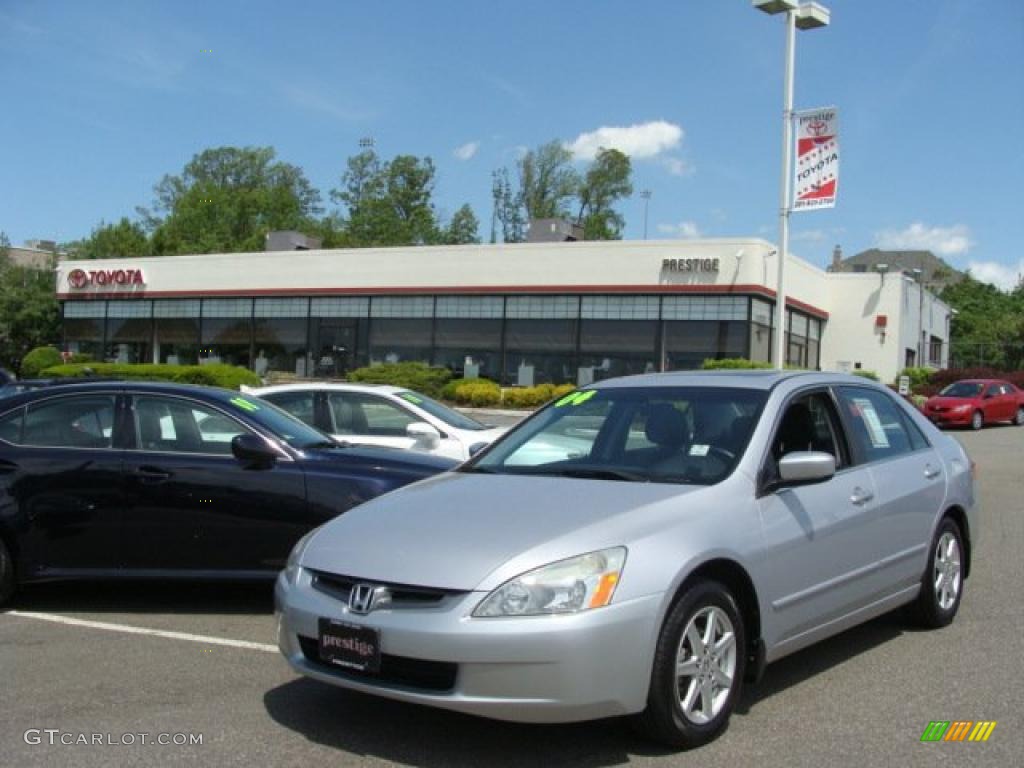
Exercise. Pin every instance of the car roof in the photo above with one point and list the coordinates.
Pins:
(157, 387)
(387, 389)
(761, 378)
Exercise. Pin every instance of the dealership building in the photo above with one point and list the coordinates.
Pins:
(521, 314)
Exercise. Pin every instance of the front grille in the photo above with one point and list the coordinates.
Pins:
(400, 595)
(438, 676)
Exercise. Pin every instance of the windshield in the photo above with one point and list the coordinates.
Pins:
(962, 389)
(280, 423)
(442, 412)
(692, 435)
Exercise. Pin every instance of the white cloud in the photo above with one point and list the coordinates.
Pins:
(1004, 276)
(467, 150)
(639, 141)
(685, 230)
(677, 166)
(942, 241)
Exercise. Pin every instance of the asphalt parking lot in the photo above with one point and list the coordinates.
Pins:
(208, 666)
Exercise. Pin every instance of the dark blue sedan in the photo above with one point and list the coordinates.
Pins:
(145, 480)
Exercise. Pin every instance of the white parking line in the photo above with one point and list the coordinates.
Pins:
(129, 630)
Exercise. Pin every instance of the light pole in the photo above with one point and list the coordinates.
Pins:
(646, 195)
(805, 16)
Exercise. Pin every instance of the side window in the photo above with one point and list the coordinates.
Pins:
(10, 426)
(809, 424)
(172, 425)
(298, 404)
(359, 414)
(70, 422)
(879, 429)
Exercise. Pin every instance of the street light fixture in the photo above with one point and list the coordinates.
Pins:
(798, 16)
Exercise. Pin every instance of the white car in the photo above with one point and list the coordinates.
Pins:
(368, 414)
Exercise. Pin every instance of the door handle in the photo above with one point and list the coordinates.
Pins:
(860, 497)
(151, 475)
(931, 472)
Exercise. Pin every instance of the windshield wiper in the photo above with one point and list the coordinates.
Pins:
(479, 470)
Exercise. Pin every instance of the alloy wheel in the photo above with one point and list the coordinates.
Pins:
(706, 664)
(946, 576)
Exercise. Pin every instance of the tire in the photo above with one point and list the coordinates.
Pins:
(942, 585)
(977, 420)
(1019, 420)
(677, 713)
(7, 581)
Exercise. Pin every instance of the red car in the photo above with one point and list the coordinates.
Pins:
(976, 402)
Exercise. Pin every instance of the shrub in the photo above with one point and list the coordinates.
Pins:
(214, 375)
(533, 397)
(732, 363)
(38, 359)
(418, 376)
(919, 377)
(476, 392)
(865, 374)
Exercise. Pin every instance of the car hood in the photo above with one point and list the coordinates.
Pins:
(454, 530)
(378, 456)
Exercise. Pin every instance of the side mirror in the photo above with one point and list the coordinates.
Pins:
(424, 433)
(805, 467)
(253, 451)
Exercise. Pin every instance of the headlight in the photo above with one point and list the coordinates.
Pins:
(568, 586)
(292, 569)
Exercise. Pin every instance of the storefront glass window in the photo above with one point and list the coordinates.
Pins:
(176, 331)
(689, 343)
(540, 351)
(226, 332)
(280, 336)
(616, 348)
(470, 348)
(394, 340)
(83, 327)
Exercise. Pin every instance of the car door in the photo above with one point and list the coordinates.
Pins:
(60, 468)
(818, 537)
(367, 419)
(991, 404)
(1007, 401)
(192, 506)
(910, 486)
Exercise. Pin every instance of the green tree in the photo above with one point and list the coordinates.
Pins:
(391, 203)
(29, 316)
(463, 228)
(227, 199)
(123, 239)
(607, 181)
(988, 328)
(549, 185)
(547, 181)
(508, 209)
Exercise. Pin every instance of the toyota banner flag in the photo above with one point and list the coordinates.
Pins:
(817, 159)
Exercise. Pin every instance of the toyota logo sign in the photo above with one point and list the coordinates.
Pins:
(77, 278)
(80, 278)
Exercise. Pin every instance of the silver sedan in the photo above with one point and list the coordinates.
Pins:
(696, 528)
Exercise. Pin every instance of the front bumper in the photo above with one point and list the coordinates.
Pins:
(543, 669)
(950, 418)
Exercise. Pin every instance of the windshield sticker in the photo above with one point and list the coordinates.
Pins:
(576, 398)
(875, 430)
(243, 404)
(699, 450)
(410, 397)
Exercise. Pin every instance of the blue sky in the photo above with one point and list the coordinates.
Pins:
(103, 98)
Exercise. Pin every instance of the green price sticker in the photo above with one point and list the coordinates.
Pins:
(410, 397)
(245, 405)
(576, 398)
